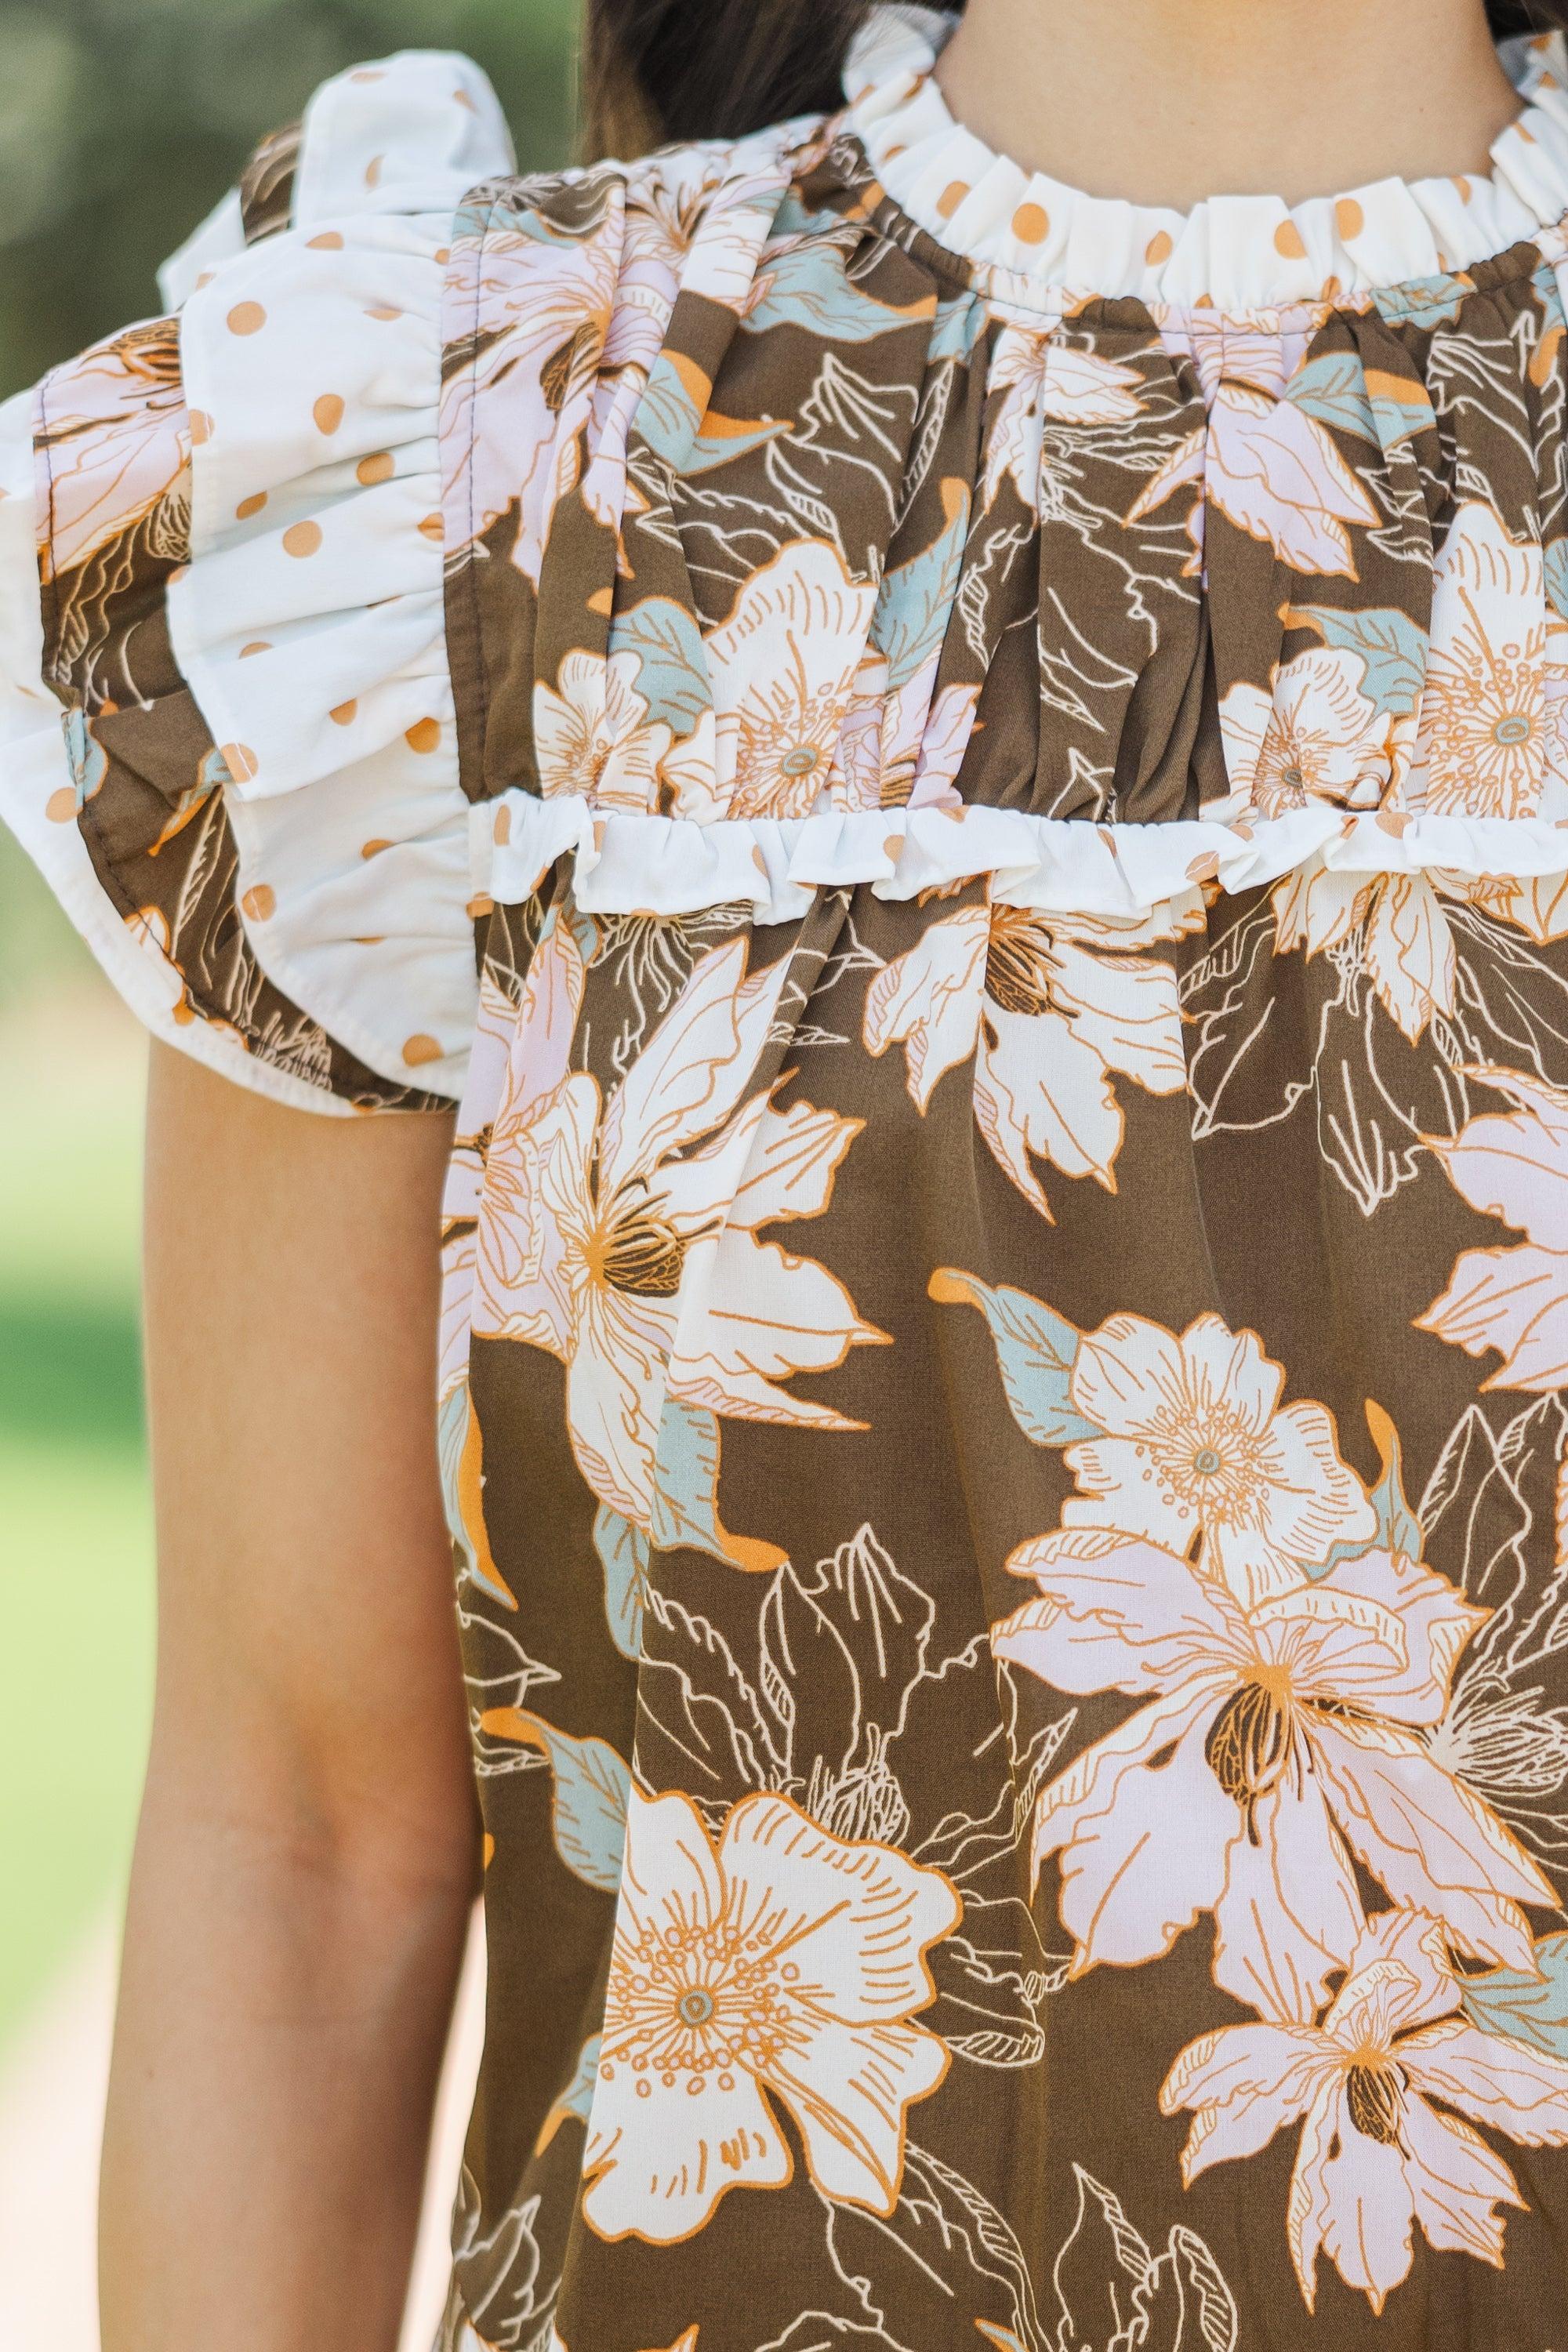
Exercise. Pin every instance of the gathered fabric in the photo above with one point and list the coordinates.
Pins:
(966, 789)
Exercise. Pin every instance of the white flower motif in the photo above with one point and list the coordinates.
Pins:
(1492, 715)
(1375, 2158)
(593, 736)
(1315, 738)
(1048, 1006)
(1399, 923)
(1199, 1449)
(1048, 381)
(603, 1235)
(784, 1965)
(782, 669)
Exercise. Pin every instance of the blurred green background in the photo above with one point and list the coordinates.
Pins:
(121, 123)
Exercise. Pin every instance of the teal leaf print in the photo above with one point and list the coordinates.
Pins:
(1392, 648)
(1036, 1350)
(623, 1552)
(959, 323)
(1556, 560)
(675, 420)
(1398, 1529)
(915, 601)
(89, 761)
(577, 2098)
(686, 1493)
(1526, 2008)
(807, 286)
(1333, 390)
(592, 1793)
(672, 669)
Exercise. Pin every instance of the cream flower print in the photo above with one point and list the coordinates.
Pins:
(1281, 1743)
(1275, 473)
(1492, 720)
(782, 669)
(1046, 382)
(1513, 1299)
(608, 1237)
(903, 748)
(1047, 1007)
(1377, 2160)
(1396, 924)
(781, 1967)
(117, 438)
(1199, 1454)
(591, 736)
(1315, 738)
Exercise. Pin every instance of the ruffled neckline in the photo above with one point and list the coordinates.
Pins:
(1046, 239)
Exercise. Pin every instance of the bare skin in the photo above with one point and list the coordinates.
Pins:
(1167, 101)
(306, 1861)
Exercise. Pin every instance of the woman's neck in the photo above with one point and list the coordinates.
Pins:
(1167, 101)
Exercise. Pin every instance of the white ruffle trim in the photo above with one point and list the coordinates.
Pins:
(38, 803)
(627, 863)
(309, 624)
(1241, 253)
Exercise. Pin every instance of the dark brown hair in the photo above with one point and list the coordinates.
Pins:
(658, 70)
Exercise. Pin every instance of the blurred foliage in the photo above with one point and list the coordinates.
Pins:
(123, 122)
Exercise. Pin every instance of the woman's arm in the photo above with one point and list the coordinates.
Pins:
(306, 1861)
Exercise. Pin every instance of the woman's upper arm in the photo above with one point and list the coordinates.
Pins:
(308, 1660)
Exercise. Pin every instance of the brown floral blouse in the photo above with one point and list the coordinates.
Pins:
(1005, 1397)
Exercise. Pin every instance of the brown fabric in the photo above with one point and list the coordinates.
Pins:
(1006, 1459)
(267, 183)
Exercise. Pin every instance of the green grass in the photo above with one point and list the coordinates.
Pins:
(76, 1585)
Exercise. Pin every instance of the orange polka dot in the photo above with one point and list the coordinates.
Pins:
(464, 99)
(425, 735)
(373, 171)
(1349, 219)
(1463, 185)
(251, 506)
(260, 903)
(330, 241)
(433, 527)
(246, 318)
(61, 806)
(1031, 224)
(1160, 248)
(328, 413)
(418, 1050)
(502, 827)
(374, 848)
(256, 645)
(368, 73)
(302, 539)
(200, 427)
(1288, 242)
(177, 574)
(344, 715)
(206, 278)
(384, 310)
(240, 761)
(443, 255)
(952, 196)
(477, 908)
(377, 468)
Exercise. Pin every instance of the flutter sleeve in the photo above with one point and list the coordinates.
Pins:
(221, 559)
